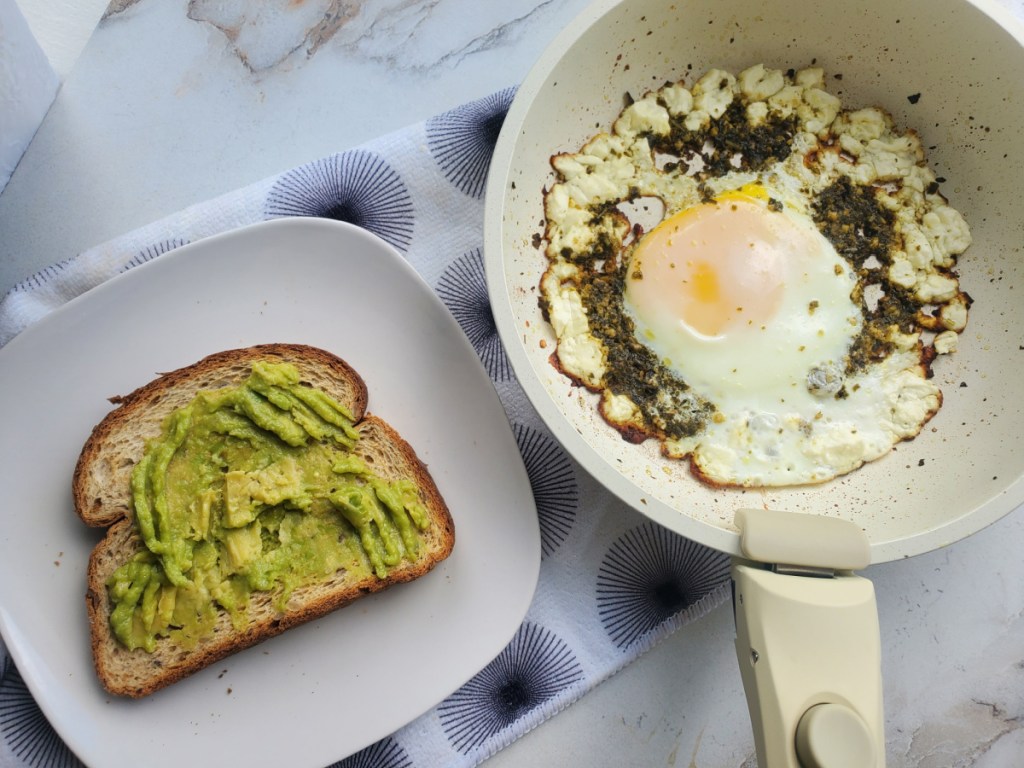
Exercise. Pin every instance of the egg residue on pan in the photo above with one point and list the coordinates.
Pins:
(776, 322)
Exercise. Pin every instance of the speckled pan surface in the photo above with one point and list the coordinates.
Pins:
(961, 63)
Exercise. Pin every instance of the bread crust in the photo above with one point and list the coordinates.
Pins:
(100, 487)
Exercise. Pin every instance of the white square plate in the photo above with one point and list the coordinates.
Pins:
(321, 691)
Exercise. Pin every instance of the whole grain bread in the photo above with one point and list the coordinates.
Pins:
(102, 497)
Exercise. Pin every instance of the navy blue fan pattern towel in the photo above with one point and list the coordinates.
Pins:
(26, 735)
(463, 288)
(536, 667)
(612, 584)
(462, 141)
(357, 187)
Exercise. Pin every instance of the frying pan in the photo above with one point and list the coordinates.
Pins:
(950, 69)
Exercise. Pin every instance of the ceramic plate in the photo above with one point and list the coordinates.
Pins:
(329, 688)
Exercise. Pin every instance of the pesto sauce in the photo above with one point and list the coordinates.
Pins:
(861, 228)
(253, 488)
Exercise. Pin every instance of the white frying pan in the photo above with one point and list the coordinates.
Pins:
(963, 63)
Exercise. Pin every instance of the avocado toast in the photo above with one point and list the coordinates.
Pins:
(243, 495)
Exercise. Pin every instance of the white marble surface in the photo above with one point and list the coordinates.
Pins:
(171, 103)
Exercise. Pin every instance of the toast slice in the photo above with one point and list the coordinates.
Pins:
(101, 488)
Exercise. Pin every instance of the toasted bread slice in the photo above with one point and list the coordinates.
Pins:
(102, 496)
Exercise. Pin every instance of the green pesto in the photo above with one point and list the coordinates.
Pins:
(253, 488)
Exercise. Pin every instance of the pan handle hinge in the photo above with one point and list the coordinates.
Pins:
(797, 540)
(807, 571)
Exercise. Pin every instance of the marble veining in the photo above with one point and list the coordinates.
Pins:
(264, 36)
(415, 35)
(117, 6)
(969, 732)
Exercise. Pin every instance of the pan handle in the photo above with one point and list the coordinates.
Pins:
(807, 642)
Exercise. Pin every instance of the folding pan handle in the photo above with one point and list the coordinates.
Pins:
(807, 641)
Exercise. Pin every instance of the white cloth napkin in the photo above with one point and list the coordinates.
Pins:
(612, 584)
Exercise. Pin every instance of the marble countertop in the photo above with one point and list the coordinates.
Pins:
(231, 92)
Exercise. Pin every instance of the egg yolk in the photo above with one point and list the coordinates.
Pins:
(717, 267)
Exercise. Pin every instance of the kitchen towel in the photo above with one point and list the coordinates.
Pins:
(612, 584)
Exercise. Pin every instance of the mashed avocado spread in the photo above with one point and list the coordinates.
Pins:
(253, 488)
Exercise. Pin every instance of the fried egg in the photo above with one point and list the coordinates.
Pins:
(741, 301)
(777, 325)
